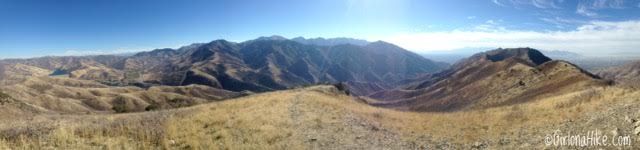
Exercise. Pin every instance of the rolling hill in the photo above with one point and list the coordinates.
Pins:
(60, 95)
(489, 79)
(325, 117)
(625, 75)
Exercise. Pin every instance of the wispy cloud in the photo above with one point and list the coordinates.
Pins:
(584, 7)
(600, 4)
(563, 22)
(588, 8)
(489, 26)
(497, 2)
(547, 3)
(471, 17)
(584, 10)
(593, 38)
(535, 3)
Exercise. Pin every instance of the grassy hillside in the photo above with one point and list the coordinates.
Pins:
(494, 78)
(323, 117)
(61, 95)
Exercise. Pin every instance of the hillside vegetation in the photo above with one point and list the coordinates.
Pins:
(62, 95)
(493, 78)
(260, 65)
(274, 93)
(324, 117)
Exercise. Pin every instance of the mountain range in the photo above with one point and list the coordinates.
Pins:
(277, 93)
(198, 73)
(263, 64)
(387, 75)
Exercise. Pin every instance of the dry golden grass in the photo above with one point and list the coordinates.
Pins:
(298, 119)
(72, 96)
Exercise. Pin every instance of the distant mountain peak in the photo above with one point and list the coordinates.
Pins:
(271, 38)
(382, 43)
(527, 54)
(155, 52)
(493, 78)
(220, 41)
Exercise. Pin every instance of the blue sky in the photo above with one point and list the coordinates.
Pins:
(30, 28)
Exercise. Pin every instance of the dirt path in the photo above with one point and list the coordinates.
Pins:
(329, 128)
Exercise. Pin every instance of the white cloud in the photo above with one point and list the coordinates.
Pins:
(588, 8)
(600, 4)
(497, 2)
(594, 38)
(546, 3)
(535, 3)
(562, 22)
(471, 17)
(583, 9)
(489, 25)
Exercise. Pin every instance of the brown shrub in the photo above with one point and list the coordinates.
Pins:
(41, 88)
